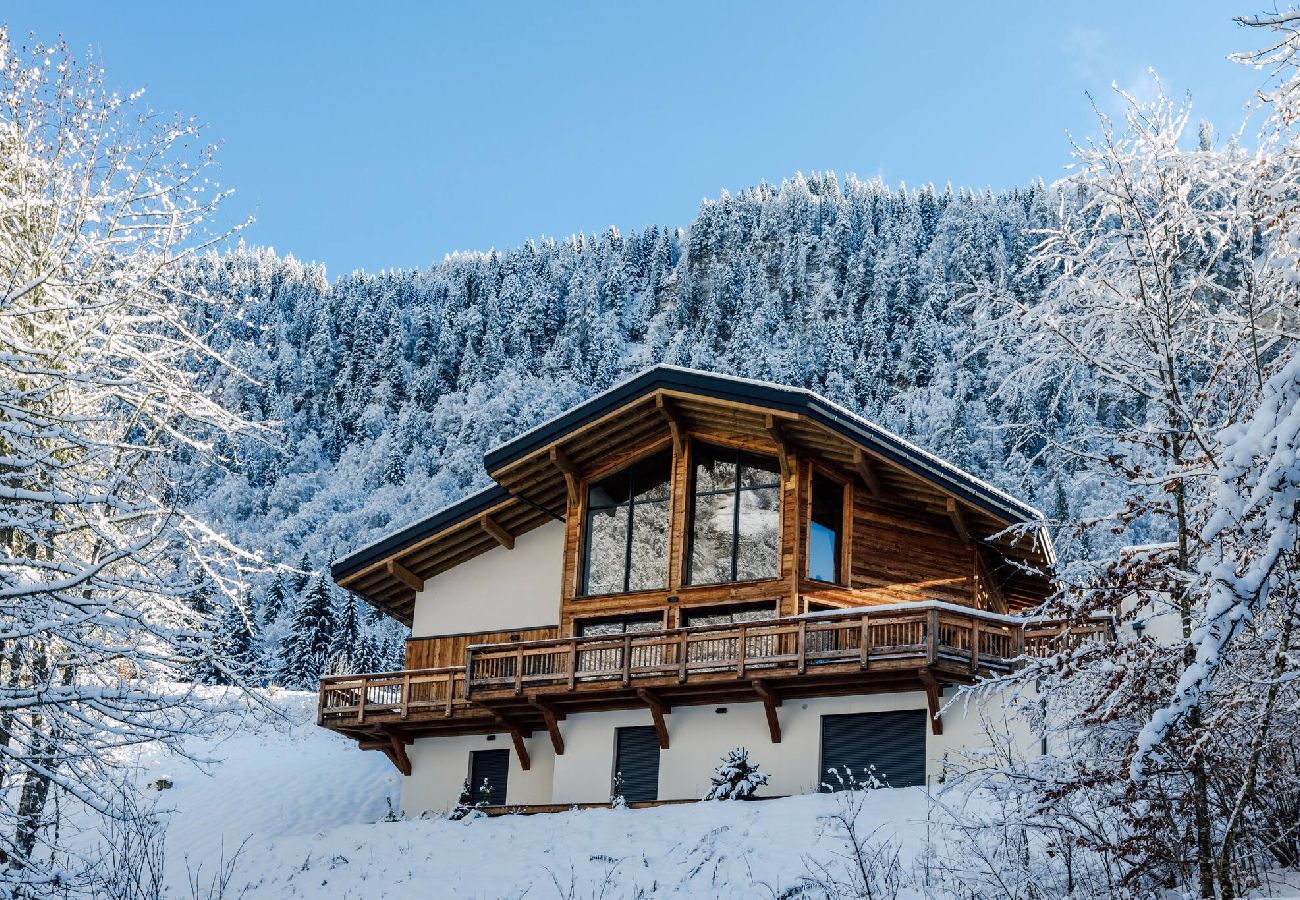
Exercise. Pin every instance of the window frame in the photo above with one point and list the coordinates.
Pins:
(843, 553)
(582, 579)
(692, 497)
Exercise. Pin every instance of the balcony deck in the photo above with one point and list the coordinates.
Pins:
(527, 686)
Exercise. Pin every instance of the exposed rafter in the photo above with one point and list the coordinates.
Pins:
(866, 470)
(771, 700)
(561, 461)
(517, 735)
(405, 575)
(503, 537)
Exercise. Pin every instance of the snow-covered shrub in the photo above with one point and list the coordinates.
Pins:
(736, 778)
(847, 781)
(616, 798)
(466, 807)
(868, 864)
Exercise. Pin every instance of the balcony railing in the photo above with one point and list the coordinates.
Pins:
(964, 643)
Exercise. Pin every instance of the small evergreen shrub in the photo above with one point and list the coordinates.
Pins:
(736, 778)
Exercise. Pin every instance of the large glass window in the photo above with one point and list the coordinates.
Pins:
(825, 529)
(728, 615)
(627, 529)
(736, 525)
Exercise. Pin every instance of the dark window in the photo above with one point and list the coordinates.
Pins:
(627, 529)
(634, 625)
(728, 615)
(893, 742)
(826, 529)
(492, 767)
(736, 523)
(636, 759)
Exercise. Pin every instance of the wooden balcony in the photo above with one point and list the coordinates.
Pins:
(524, 686)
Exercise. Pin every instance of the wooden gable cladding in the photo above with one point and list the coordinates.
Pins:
(449, 650)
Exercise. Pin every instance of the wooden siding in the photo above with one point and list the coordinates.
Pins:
(449, 650)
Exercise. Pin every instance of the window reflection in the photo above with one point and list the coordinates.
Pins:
(736, 523)
(827, 523)
(627, 529)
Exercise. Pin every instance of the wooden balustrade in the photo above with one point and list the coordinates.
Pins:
(855, 640)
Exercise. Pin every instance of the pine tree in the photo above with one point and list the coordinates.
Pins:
(305, 648)
(736, 778)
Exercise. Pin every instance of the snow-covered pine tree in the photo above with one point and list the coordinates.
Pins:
(305, 649)
(735, 778)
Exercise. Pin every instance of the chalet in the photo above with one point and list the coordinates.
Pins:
(684, 564)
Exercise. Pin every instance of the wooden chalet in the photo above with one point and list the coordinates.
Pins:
(682, 546)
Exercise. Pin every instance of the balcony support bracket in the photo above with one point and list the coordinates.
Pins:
(658, 709)
(771, 700)
(552, 719)
(517, 735)
(933, 698)
(396, 751)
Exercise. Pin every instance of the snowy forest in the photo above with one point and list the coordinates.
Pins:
(191, 430)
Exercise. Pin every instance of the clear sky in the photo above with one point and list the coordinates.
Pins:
(380, 135)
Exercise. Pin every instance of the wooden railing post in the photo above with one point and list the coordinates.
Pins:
(406, 693)
(451, 689)
(681, 658)
(932, 642)
(519, 669)
(361, 701)
(573, 662)
(469, 673)
(975, 645)
(864, 641)
(740, 652)
(803, 645)
(627, 659)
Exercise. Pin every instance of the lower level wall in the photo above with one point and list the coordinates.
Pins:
(698, 737)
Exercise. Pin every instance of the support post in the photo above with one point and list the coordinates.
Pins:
(675, 425)
(503, 537)
(561, 461)
(396, 751)
(551, 718)
(958, 519)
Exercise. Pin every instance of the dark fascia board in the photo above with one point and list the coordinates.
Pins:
(444, 518)
(778, 397)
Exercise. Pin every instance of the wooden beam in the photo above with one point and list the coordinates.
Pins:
(405, 575)
(958, 520)
(933, 696)
(552, 725)
(657, 710)
(774, 430)
(985, 569)
(675, 425)
(561, 461)
(770, 702)
(503, 537)
(517, 735)
(866, 470)
(396, 752)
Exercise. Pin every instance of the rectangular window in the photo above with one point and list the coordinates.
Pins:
(825, 531)
(728, 615)
(627, 529)
(736, 519)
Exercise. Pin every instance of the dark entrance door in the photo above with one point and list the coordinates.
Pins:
(493, 765)
(894, 742)
(636, 758)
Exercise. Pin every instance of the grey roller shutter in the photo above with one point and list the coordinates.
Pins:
(637, 760)
(494, 765)
(894, 742)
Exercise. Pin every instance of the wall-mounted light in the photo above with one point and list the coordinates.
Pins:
(672, 598)
(514, 637)
(721, 710)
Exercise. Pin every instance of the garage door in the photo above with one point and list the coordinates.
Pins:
(494, 765)
(894, 742)
(636, 758)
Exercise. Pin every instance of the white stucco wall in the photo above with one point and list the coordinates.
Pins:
(698, 738)
(498, 590)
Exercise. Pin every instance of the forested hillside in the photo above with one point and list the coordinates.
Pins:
(390, 387)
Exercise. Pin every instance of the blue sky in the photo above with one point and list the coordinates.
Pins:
(386, 134)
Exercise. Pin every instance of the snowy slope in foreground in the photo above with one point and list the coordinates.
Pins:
(265, 779)
(723, 850)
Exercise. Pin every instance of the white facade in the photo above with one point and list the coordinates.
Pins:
(698, 738)
(498, 590)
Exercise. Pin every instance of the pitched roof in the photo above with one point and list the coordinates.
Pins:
(529, 490)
